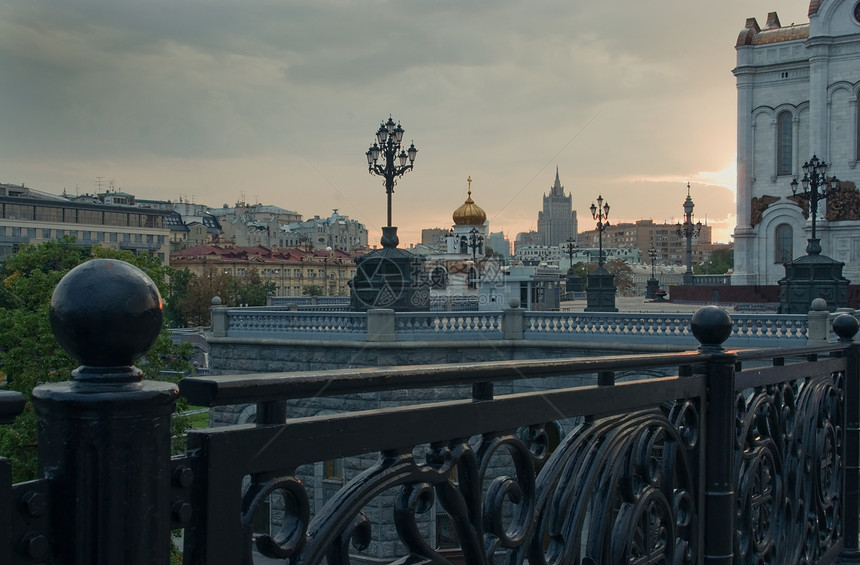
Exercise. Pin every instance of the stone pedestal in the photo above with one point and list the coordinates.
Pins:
(390, 278)
(809, 277)
(651, 288)
(573, 283)
(600, 293)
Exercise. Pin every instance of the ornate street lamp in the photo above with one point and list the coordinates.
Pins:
(815, 189)
(389, 277)
(689, 230)
(600, 291)
(813, 275)
(600, 213)
(387, 145)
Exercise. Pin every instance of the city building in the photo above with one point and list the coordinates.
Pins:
(644, 234)
(499, 244)
(292, 270)
(557, 220)
(526, 238)
(248, 225)
(797, 97)
(192, 225)
(434, 239)
(32, 216)
(335, 232)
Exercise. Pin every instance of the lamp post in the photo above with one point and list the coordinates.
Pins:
(652, 285)
(600, 292)
(387, 145)
(815, 189)
(389, 277)
(476, 241)
(570, 247)
(689, 230)
(813, 275)
(574, 283)
(600, 213)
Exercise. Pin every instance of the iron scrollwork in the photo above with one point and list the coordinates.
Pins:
(789, 470)
(618, 489)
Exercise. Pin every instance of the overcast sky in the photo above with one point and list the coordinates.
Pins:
(277, 102)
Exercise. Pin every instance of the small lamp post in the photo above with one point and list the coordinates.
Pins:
(574, 283)
(476, 241)
(600, 292)
(600, 213)
(653, 284)
(816, 188)
(689, 230)
(387, 145)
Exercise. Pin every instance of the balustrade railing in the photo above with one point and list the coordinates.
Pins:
(750, 330)
(413, 326)
(734, 457)
(245, 322)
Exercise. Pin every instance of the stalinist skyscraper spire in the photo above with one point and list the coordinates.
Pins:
(557, 221)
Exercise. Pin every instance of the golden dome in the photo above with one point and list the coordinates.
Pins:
(469, 214)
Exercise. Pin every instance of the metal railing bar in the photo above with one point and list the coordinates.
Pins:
(319, 438)
(221, 390)
(764, 376)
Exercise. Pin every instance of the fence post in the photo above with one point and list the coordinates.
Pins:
(817, 330)
(380, 325)
(845, 326)
(712, 326)
(218, 316)
(104, 437)
(513, 320)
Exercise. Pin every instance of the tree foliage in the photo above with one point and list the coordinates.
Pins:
(30, 354)
(719, 263)
(313, 290)
(622, 271)
(191, 296)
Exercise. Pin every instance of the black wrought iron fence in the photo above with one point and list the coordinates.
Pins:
(737, 457)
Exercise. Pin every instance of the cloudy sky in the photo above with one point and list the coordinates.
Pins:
(277, 102)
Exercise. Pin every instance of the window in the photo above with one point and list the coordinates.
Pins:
(784, 239)
(784, 143)
(857, 124)
(333, 470)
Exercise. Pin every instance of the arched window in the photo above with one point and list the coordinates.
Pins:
(857, 124)
(784, 242)
(784, 144)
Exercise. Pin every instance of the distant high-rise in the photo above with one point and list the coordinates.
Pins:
(557, 221)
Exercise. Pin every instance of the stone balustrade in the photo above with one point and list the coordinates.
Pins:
(749, 330)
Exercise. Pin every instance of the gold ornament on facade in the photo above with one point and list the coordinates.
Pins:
(758, 206)
(469, 213)
(844, 203)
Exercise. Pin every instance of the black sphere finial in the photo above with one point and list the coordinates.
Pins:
(711, 326)
(845, 326)
(106, 313)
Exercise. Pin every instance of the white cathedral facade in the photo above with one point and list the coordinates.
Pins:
(797, 97)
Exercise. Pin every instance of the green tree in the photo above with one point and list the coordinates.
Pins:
(29, 352)
(622, 271)
(251, 289)
(719, 263)
(199, 292)
(313, 290)
(176, 293)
